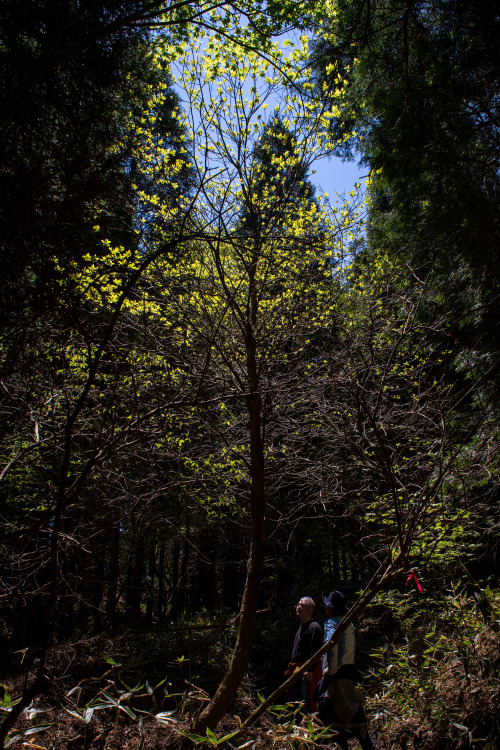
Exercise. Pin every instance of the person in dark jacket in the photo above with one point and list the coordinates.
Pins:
(308, 640)
(339, 702)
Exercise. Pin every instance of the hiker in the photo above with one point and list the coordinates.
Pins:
(308, 640)
(339, 702)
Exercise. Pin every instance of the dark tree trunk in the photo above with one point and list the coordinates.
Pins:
(241, 653)
(333, 564)
(114, 570)
(135, 576)
(151, 586)
(179, 575)
(204, 588)
(160, 602)
(97, 592)
(175, 564)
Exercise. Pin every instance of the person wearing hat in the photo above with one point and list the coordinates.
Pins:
(339, 702)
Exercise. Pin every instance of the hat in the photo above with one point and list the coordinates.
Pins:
(336, 600)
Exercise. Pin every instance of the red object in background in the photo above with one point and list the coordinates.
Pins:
(413, 576)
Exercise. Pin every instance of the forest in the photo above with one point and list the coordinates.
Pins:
(222, 389)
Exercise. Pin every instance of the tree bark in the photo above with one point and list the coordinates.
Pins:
(114, 570)
(151, 585)
(226, 691)
(160, 604)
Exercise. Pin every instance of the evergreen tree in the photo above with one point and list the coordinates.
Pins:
(422, 84)
(276, 182)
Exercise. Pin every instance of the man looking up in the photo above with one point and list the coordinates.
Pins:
(308, 640)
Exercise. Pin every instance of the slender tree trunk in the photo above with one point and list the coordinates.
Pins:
(135, 579)
(241, 653)
(343, 566)
(114, 570)
(97, 593)
(175, 564)
(151, 586)
(160, 605)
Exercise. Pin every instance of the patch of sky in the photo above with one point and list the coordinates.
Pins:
(330, 174)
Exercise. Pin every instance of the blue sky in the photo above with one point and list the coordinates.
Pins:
(336, 176)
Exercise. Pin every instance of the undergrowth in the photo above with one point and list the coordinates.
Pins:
(433, 683)
(440, 686)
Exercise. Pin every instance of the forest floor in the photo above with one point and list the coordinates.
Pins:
(86, 705)
(94, 700)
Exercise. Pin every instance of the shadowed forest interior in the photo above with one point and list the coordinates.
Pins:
(222, 389)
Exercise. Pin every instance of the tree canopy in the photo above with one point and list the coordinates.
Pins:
(221, 389)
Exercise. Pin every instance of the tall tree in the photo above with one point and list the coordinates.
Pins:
(266, 259)
(423, 90)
